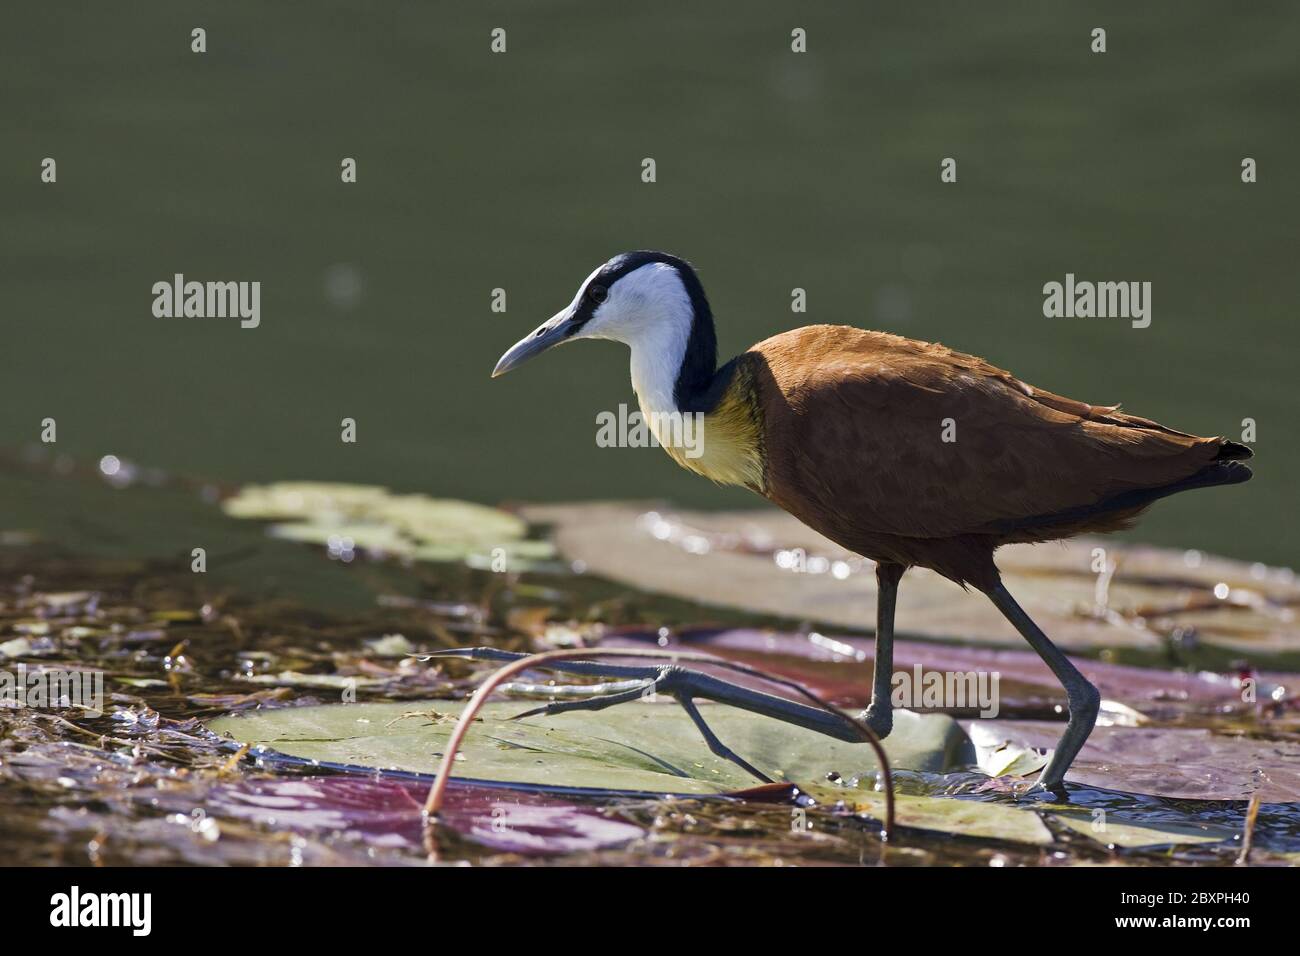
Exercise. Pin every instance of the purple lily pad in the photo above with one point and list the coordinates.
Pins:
(385, 812)
(1178, 763)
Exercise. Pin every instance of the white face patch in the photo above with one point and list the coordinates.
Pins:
(636, 304)
(650, 311)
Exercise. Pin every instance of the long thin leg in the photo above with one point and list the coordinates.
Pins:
(695, 684)
(879, 715)
(671, 678)
(1083, 698)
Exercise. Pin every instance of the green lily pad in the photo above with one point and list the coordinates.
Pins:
(308, 500)
(442, 520)
(1123, 833)
(653, 748)
(370, 537)
(970, 818)
(646, 747)
(368, 517)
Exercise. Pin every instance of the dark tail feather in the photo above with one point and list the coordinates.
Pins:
(1230, 472)
(1226, 471)
(1232, 451)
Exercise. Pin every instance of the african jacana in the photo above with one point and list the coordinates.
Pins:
(845, 429)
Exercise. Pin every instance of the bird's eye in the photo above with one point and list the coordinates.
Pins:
(598, 294)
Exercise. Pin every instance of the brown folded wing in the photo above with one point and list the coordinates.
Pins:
(882, 435)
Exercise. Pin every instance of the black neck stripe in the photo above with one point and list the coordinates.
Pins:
(700, 361)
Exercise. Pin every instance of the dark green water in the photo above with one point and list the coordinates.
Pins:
(521, 171)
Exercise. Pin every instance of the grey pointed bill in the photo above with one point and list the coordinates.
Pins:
(552, 332)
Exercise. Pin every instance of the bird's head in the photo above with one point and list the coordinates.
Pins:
(651, 301)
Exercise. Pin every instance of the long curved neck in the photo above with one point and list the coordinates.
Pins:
(675, 361)
(678, 383)
(715, 429)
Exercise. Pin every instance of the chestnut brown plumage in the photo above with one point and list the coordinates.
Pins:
(906, 452)
(911, 453)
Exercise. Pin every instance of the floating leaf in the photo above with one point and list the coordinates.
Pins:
(306, 500)
(1002, 756)
(640, 747)
(655, 749)
(346, 536)
(446, 520)
(970, 818)
(1175, 762)
(345, 518)
(385, 812)
(1124, 833)
(1023, 823)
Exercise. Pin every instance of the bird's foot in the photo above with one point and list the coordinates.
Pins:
(639, 682)
(879, 719)
(1084, 703)
(1045, 784)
